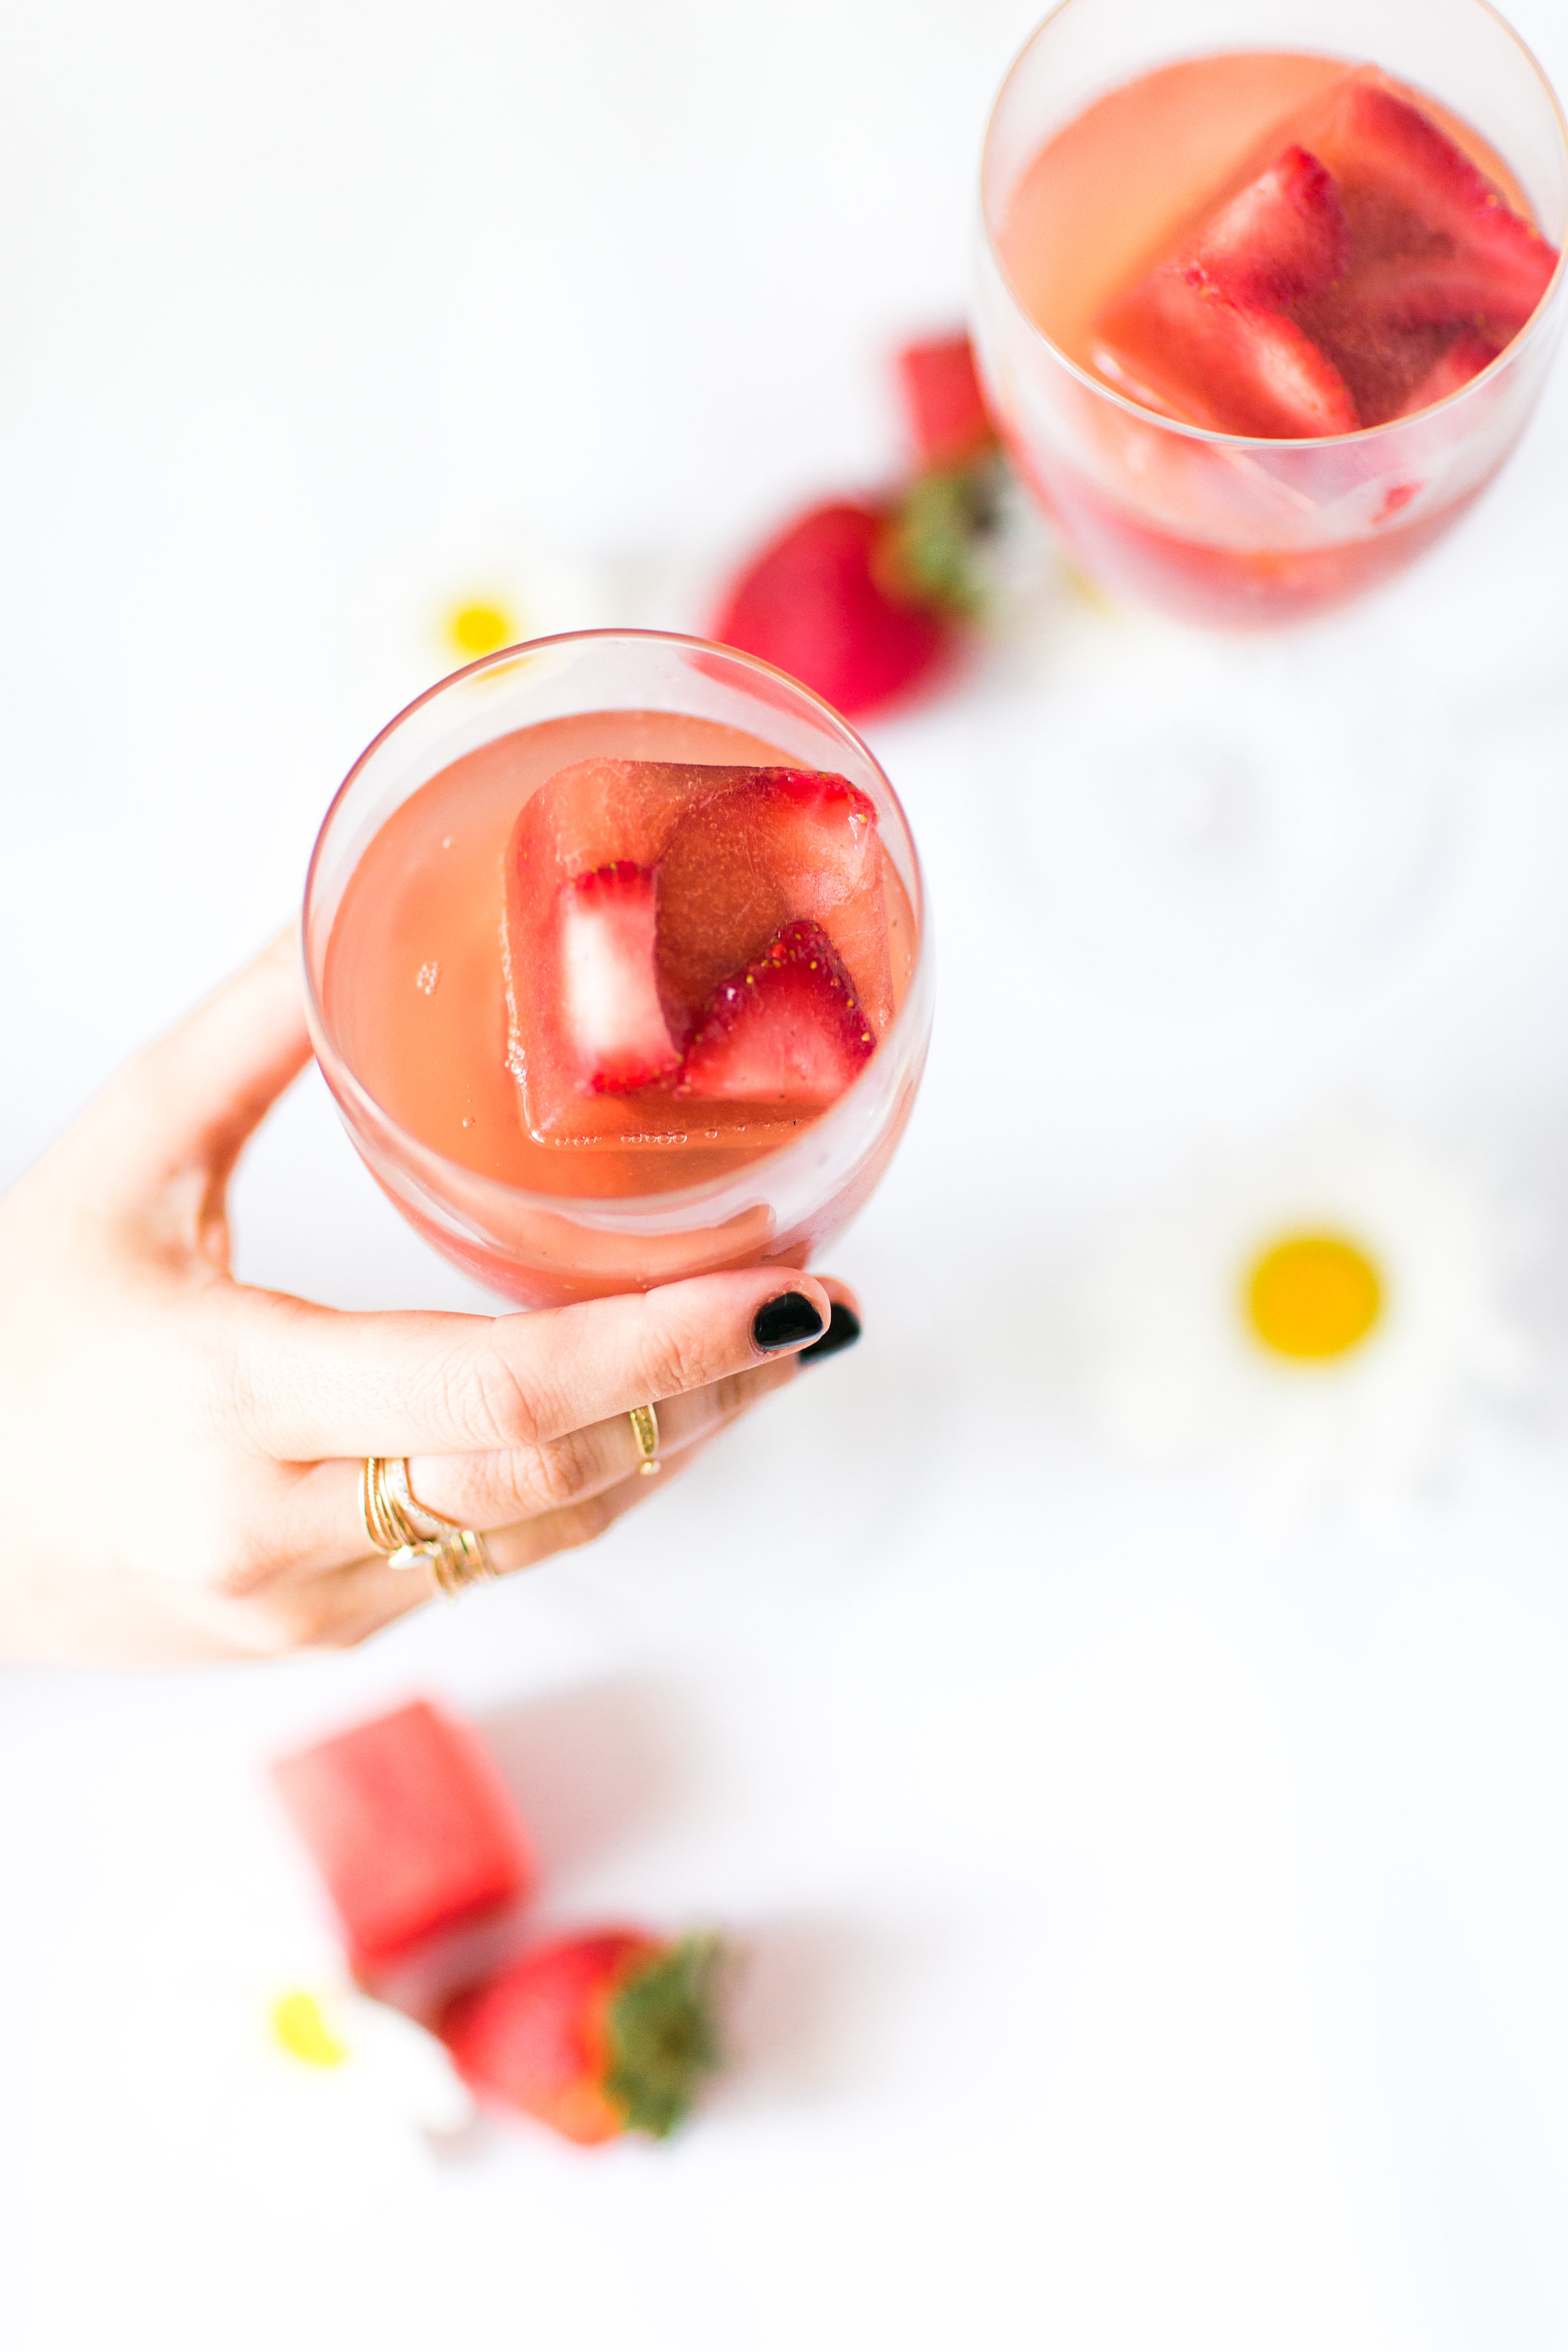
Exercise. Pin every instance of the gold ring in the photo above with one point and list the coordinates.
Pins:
(395, 1477)
(464, 1560)
(456, 1555)
(645, 1429)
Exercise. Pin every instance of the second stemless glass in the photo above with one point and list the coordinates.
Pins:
(547, 1248)
(1213, 527)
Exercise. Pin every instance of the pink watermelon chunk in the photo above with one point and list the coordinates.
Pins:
(945, 405)
(411, 1827)
(1369, 268)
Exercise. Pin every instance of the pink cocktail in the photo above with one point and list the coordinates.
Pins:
(1267, 290)
(616, 962)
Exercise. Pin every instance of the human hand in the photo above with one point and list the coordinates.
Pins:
(180, 1453)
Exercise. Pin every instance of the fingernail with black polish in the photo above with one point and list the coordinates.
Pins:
(785, 1322)
(843, 1331)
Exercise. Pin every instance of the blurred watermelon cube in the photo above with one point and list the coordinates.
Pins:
(411, 1827)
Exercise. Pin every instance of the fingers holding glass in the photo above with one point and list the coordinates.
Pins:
(340, 1509)
(336, 1609)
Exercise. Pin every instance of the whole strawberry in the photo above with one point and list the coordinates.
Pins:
(595, 2035)
(816, 602)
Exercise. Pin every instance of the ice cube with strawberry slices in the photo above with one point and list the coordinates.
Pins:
(1363, 270)
(691, 951)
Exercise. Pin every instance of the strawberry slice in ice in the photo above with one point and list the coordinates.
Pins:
(1444, 269)
(579, 939)
(1410, 189)
(1182, 347)
(786, 1031)
(1459, 364)
(1207, 335)
(612, 1025)
(636, 889)
(1355, 278)
(1283, 240)
(787, 844)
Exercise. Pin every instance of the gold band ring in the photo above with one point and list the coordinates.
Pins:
(645, 1429)
(456, 1555)
(464, 1560)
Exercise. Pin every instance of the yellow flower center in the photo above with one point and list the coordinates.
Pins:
(480, 628)
(1312, 1297)
(301, 2030)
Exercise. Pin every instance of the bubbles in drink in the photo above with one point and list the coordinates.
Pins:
(427, 979)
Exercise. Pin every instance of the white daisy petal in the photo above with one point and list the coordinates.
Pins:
(388, 2064)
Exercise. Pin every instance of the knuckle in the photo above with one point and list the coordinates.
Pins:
(243, 1568)
(678, 1359)
(585, 1523)
(490, 1402)
(557, 1474)
(731, 1395)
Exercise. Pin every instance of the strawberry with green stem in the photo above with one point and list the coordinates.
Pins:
(595, 2034)
(866, 600)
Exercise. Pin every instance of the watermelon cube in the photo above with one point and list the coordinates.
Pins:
(411, 1827)
(945, 405)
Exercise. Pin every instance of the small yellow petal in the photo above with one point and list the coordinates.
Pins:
(299, 2028)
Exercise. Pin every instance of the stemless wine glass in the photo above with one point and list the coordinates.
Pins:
(1213, 527)
(573, 1231)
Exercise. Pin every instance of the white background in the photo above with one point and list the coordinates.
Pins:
(1157, 1899)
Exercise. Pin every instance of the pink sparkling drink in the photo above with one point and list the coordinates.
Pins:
(689, 1035)
(1244, 304)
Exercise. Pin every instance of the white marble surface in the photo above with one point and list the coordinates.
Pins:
(1157, 1888)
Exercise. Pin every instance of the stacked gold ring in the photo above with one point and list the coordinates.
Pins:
(456, 1556)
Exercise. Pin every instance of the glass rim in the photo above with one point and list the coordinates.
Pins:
(1204, 433)
(603, 1213)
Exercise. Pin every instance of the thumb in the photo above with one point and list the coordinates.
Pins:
(186, 1105)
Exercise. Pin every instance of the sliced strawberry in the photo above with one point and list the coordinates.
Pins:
(787, 1029)
(610, 964)
(594, 816)
(1440, 289)
(614, 1030)
(1369, 248)
(787, 844)
(1179, 345)
(812, 605)
(1411, 183)
(1282, 240)
(1459, 365)
(1379, 359)
(945, 405)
